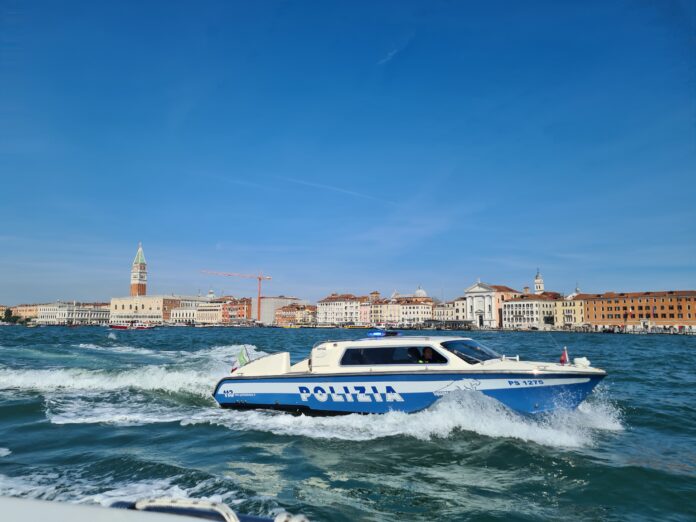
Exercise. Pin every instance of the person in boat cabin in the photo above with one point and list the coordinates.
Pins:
(429, 356)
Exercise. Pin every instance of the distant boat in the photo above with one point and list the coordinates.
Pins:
(119, 326)
(131, 326)
(141, 326)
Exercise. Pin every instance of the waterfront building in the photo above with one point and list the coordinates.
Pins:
(392, 310)
(365, 312)
(73, 314)
(296, 315)
(156, 309)
(481, 304)
(339, 309)
(152, 309)
(444, 312)
(183, 316)
(398, 310)
(414, 312)
(378, 312)
(569, 312)
(138, 283)
(236, 310)
(26, 311)
(209, 313)
(269, 305)
(530, 311)
(221, 310)
(673, 310)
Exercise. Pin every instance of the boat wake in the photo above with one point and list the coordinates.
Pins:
(152, 378)
(179, 390)
(192, 373)
(461, 412)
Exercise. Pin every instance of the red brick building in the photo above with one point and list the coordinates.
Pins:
(673, 309)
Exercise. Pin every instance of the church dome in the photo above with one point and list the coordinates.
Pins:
(420, 292)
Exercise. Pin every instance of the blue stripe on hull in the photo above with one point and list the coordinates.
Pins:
(338, 394)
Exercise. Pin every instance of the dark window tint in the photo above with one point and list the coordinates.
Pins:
(392, 355)
(470, 351)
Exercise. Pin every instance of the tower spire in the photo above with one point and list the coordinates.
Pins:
(538, 283)
(138, 282)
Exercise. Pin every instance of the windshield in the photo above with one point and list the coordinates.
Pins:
(470, 351)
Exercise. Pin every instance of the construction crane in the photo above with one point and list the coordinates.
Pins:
(260, 277)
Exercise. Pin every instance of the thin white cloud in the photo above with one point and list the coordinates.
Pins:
(396, 50)
(338, 189)
(391, 54)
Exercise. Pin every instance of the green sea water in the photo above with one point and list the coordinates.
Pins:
(91, 415)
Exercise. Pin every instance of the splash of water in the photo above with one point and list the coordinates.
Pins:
(461, 412)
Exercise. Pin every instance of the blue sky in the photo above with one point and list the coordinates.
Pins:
(346, 146)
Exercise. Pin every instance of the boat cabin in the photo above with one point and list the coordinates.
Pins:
(394, 354)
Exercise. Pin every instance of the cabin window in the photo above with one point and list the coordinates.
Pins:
(390, 355)
(470, 351)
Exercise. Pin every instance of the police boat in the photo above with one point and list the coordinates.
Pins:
(407, 374)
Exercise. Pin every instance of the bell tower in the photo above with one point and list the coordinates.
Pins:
(538, 283)
(138, 284)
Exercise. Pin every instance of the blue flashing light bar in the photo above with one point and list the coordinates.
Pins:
(382, 333)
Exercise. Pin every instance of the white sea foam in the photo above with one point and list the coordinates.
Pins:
(225, 354)
(4, 452)
(112, 335)
(194, 373)
(461, 412)
(117, 349)
(151, 378)
(101, 408)
(53, 486)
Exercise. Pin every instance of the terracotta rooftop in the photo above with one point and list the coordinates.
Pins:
(503, 288)
(412, 300)
(546, 296)
(294, 307)
(661, 293)
(343, 297)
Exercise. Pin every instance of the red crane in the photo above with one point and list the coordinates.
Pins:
(260, 277)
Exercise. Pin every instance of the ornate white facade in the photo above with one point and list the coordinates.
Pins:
(482, 304)
(73, 314)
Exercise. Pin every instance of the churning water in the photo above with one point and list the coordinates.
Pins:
(88, 415)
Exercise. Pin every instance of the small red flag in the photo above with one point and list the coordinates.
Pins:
(564, 356)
